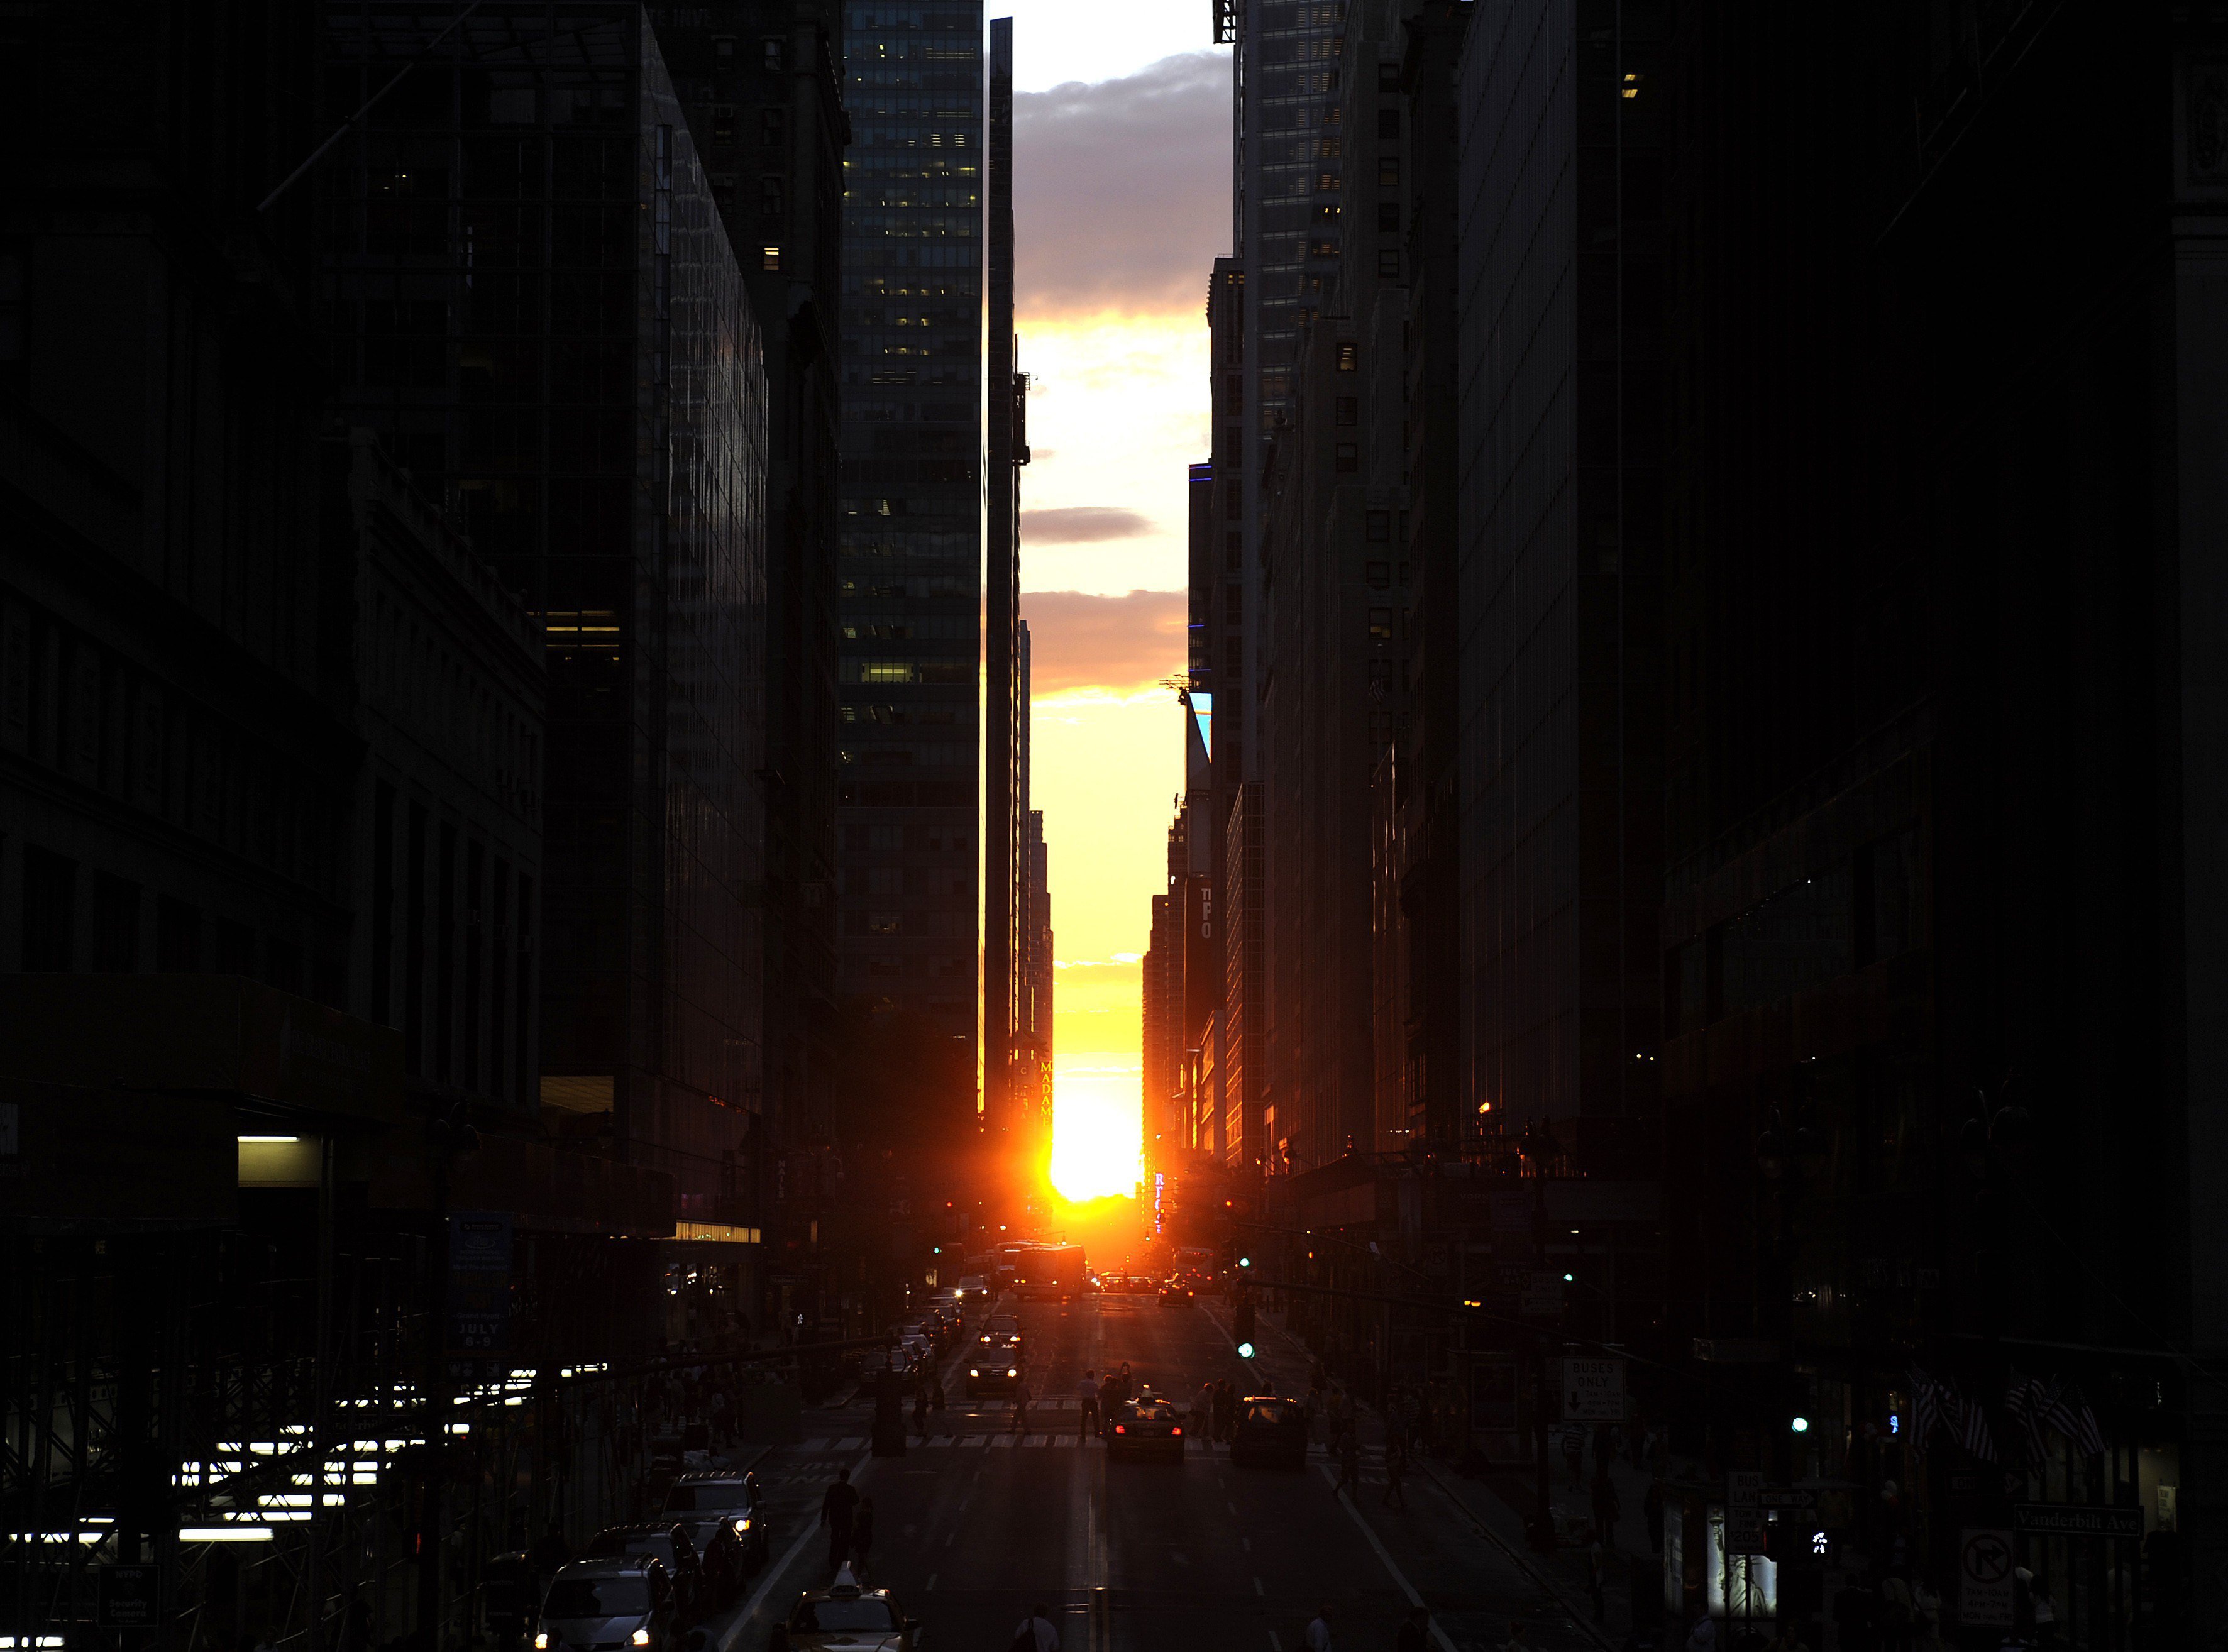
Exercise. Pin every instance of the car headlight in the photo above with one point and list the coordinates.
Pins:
(1012, 1373)
(972, 1372)
(541, 1641)
(986, 1339)
(642, 1637)
(744, 1524)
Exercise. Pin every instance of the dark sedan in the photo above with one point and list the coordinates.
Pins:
(1175, 1296)
(1146, 1428)
(1270, 1433)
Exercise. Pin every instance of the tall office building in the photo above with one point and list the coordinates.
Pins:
(531, 299)
(909, 580)
(761, 81)
(1011, 1081)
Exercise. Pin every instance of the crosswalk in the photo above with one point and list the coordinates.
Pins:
(843, 1444)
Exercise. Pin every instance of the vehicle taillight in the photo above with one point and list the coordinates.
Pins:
(1175, 1430)
(1121, 1428)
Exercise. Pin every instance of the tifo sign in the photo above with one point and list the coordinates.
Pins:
(1984, 1578)
(1593, 1391)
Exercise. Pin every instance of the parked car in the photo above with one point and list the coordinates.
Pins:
(620, 1600)
(1145, 1428)
(1270, 1433)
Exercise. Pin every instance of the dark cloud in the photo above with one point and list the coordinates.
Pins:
(1077, 641)
(1122, 187)
(1082, 525)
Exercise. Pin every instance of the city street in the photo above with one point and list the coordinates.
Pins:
(980, 1523)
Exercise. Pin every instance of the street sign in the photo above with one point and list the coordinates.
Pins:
(1744, 1488)
(126, 1598)
(1785, 1497)
(1593, 1391)
(1984, 1578)
(2078, 1520)
(1543, 1296)
(1745, 1531)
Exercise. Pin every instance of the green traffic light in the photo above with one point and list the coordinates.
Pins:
(1245, 1261)
(1245, 1350)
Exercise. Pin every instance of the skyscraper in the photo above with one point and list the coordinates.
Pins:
(531, 299)
(1010, 1077)
(909, 582)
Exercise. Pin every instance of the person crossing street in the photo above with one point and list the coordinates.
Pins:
(1086, 1408)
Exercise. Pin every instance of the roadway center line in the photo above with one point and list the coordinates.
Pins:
(1384, 1555)
(774, 1575)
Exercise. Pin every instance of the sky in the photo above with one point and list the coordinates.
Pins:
(1121, 205)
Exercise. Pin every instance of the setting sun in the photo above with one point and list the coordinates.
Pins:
(1096, 1134)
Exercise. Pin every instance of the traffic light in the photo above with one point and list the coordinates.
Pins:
(1245, 1262)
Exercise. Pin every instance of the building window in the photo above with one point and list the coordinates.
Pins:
(1380, 624)
(1388, 123)
(771, 54)
(884, 966)
(1388, 172)
(1388, 264)
(769, 258)
(1327, 183)
(1233, 551)
(1379, 524)
(1388, 217)
(770, 202)
(1388, 77)
(723, 126)
(1324, 249)
(1380, 576)
(1233, 654)
(882, 922)
(1233, 604)
(1327, 212)
(1347, 457)
(1348, 410)
(1349, 355)
(773, 127)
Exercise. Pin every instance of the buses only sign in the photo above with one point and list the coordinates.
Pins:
(1593, 1391)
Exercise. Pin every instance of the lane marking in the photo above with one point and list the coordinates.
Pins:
(1248, 1542)
(1384, 1555)
(1274, 1645)
(774, 1574)
(932, 1577)
(1258, 1590)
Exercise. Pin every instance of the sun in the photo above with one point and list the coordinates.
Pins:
(1097, 1137)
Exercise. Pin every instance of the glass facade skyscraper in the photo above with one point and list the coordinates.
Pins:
(909, 579)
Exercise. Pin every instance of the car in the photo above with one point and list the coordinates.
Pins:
(620, 1600)
(846, 1616)
(1145, 1427)
(993, 1374)
(704, 1575)
(972, 1287)
(726, 1497)
(1270, 1433)
(1175, 1296)
(1001, 1338)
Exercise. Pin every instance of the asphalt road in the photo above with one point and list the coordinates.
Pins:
(974, 1527)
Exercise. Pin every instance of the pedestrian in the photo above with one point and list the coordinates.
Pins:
(1651, 1510)
(1350, 1465)
(1415, 1630)
(1318, 1638)
(1226, 1411)
(1703, 1636)
(550, 1551)
(920, 1412)
(935, 1392)
(1129, 1383)
(1036, 1633)
(1086, 1408)
(1396, 1469)
(862, 1534)
(1574, 1452)
(1109, 1396)
(1597, 1569)
(1607, 1509)
(1789, 1638)
(1202, 1414)
(837, 1509)
(1021, 1406)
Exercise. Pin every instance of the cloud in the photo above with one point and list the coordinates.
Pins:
(1122, 189)
(1082, 525)
(1077, 641)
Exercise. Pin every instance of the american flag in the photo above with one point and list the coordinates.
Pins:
(1925, 1408)
(2029, 1402)
(2069, 1414)
(1972, 1426)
